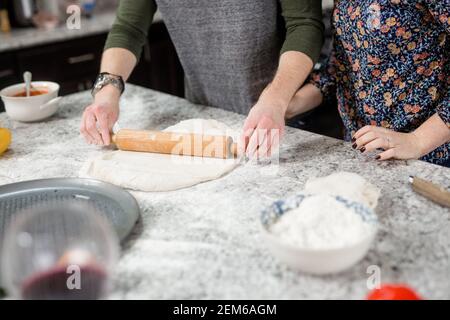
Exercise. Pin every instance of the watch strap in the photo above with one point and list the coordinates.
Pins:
(106, 78)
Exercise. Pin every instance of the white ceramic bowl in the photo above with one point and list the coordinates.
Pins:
(34, 108)
(323, 261)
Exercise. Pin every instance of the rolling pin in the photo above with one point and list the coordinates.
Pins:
(431, 191)
(186, 144)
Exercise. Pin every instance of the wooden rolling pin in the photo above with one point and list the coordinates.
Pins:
(431, 191)
(186, 144)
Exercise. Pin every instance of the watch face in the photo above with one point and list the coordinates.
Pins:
(103, 79)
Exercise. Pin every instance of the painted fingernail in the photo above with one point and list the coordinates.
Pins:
(378, 157)
(362, 149)
(354, 146)
(353, 139)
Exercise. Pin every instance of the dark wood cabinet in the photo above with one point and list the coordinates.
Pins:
(8, 72)
(74, 64)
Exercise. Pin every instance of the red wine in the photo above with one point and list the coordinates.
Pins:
(53, 284)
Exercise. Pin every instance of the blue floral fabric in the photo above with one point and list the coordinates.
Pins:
(390, 65)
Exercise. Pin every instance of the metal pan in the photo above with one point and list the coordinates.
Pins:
(117, 205)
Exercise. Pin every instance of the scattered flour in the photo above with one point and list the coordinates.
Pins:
(321, 222)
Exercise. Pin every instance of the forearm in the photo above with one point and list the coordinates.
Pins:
(306, 99)
(432, 134)
(118, 61)
(125, 41)
(294, 68)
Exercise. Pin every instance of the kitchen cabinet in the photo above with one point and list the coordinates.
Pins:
(8, 71)
(74, 64)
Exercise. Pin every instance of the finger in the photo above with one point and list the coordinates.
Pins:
(253, 144)
(84, 131)
(272, 147)
(361, 132)
(378, 143)
(365, 130)
(364, 139)
(245, 140)
(388, 154)
(91, 127)
(247, 132)
(259, 137)
(275, 143)
(103, 124)
(264, 145)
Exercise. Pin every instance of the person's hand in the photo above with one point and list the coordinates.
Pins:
(99, 118)
(396, 145)
(263, 128)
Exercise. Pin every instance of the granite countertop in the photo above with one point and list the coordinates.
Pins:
(29, 37)
(205, 242)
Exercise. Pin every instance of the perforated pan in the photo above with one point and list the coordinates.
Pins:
(117, 205)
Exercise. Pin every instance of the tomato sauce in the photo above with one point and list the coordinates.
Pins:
(32, 93)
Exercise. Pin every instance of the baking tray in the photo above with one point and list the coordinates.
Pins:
(116, 204)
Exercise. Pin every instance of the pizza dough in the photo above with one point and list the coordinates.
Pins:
(345, 184)
(161, 172)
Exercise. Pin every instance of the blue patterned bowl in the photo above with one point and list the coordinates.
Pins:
(317, 261)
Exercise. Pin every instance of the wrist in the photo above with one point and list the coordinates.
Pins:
(107, 93)
(108, 79)
(275, 99)
(417, 140)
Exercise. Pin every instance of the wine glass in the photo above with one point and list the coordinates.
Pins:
(60, 250)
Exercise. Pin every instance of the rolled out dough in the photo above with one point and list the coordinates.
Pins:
(161, 172)
(346, 184)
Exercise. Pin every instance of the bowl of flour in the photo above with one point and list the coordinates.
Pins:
(319, 233)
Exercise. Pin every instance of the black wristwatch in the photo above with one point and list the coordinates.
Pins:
(106, 78)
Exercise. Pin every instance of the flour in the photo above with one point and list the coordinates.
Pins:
(321, 222)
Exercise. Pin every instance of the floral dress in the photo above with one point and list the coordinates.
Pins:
(390, 65)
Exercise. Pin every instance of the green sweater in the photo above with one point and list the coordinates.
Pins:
(303, 20)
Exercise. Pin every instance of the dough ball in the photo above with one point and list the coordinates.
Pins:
(346, 184)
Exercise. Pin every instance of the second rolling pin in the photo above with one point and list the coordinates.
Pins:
(187, 144)
(431, 191)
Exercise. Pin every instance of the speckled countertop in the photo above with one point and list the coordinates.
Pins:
(205, 241)
(29, 37)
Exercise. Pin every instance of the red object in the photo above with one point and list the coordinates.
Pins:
(393, 292)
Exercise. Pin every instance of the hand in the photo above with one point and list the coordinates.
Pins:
(396, 145)
(263, 128)
(99, 118)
